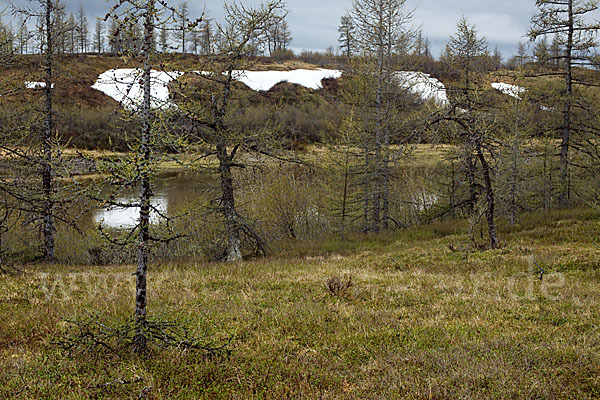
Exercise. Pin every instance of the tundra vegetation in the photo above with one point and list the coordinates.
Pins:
(358, 240)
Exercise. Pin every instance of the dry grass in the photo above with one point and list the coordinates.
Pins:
(419, 322)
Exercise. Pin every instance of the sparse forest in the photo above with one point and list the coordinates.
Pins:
(190, 207)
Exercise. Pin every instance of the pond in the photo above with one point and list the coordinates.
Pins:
(171, 192)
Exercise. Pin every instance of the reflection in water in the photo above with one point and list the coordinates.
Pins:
(119, 217)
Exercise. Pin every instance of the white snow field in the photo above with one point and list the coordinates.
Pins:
(125, 86)
(265, 80)
(510, 90)
(36, 85)
(128, 217)
(423, 85)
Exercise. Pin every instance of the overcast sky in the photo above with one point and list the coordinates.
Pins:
(314, 22)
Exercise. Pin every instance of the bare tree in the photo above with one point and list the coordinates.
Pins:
(380, 25)
(163, 38)
(473, 123)
(99, 37)
(346, 38)
(211, 111)
(182, 30)
(23, 36)
(576, 37)
(83, 30)
(146, 152)
(206, 37)
(40, 153)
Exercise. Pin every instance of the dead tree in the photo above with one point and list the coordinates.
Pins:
(470, 121)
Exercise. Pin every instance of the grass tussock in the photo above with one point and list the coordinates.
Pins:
(389, 316)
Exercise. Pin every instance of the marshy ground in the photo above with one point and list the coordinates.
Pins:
(417, 321)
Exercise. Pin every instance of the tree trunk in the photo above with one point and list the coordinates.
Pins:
(387, 61)
(47, 178)
(563, 199)
(1, 254)
(145, 186)
(345, 193)
(232, 223)
(377, 194)
(453, 191)
(385, 173)
(515, 172)
(470, 172)
(366, 184)
(490, 199)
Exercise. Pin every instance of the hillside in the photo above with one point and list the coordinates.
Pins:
(88, 118)
(306, 112)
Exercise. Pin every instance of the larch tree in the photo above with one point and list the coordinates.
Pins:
(163, 38)
(182, 31)
(496, 59)
(465, 50)
(473, 123)
(243, 26)
(33, 143)
(206, 37)
(209, 108)
(115, 37)
(71, 38)
(83, 30)
(514, 113)
(575, 36)
(99, 37)
(541, 53)
(278, 36)
(380, 25)
(23, 36)
(195, 40)
(346, 37)
(7, 38)
(522, 56)
(286, 36)
(47, 173)
(138, 169)
(344, 172)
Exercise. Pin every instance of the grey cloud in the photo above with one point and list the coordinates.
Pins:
(314, 22)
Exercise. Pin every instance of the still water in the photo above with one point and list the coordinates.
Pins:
(127, 217)
(171, 191)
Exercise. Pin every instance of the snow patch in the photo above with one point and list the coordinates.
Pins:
(125, 86)
(515, 91)
(265, 80)
(424, 86)
(37, 85)
(510, 90)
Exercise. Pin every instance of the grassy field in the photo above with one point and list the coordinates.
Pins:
(419, 321)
